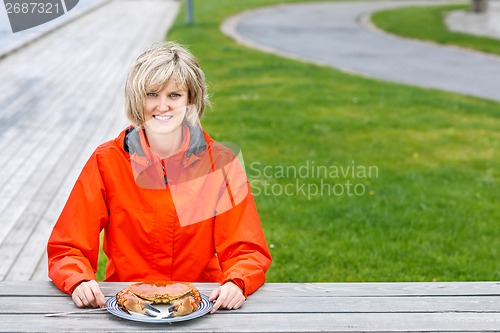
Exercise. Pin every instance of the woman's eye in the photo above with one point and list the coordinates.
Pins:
(151, 94)
(174, 95)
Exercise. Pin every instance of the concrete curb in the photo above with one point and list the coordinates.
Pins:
(366, 22)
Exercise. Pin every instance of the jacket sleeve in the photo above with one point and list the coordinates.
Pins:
(73, 246)
(240, 243)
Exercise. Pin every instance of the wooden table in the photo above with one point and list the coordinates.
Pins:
(278, 307)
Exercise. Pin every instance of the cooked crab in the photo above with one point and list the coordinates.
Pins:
(137, 297)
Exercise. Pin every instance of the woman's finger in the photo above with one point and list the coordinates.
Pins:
(214, 294)
(77, 300)
(218, 298)
(94, 294)
(227, 296)
(99, 296)
(88, 293)
(78, 295)
(236, 302)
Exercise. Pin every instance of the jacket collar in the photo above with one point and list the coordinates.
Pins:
(193, 144)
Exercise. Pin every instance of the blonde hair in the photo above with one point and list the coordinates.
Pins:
(154, 69)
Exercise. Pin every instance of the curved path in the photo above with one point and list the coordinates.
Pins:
(340, 35)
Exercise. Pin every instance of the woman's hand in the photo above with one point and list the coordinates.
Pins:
(229, 296)
(88, 293)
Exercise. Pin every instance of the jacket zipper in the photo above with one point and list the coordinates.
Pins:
(164, 172)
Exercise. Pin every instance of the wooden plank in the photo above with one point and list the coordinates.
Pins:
(28, 288)
(255, 304)
(275, 290)
(378, 304)
(47, 288)
(225, 321)
(382, 288)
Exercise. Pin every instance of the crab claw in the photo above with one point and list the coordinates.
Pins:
(151, 311)
(185, 306)
(130, 302)
(150, 307)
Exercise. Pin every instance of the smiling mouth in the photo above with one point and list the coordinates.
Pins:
(163, 118)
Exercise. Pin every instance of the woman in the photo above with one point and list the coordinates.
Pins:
(173, 204)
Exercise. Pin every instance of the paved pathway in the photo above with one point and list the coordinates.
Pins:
(59, 98)
(337, 34)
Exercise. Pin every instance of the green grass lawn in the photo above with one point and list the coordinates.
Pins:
(427, 23)
(427, 210)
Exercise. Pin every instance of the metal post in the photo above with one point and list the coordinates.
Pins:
(478, 6)
(189, 11)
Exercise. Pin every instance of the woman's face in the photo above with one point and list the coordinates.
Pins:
(164, 111)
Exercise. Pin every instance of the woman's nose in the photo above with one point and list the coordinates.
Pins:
(163, 104)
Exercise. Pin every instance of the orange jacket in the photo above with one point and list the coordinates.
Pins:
(206, 231)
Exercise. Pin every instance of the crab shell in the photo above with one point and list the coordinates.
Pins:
(183, 295)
